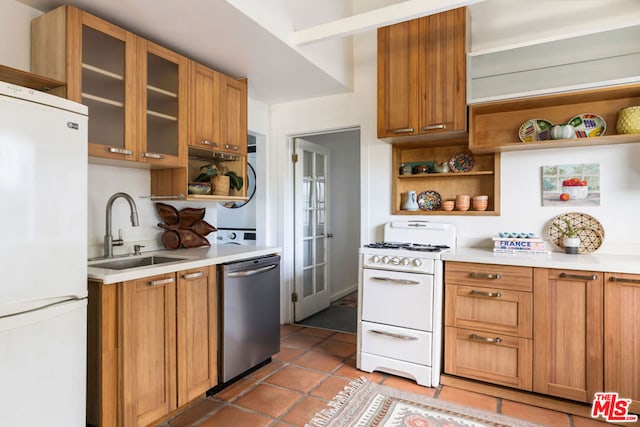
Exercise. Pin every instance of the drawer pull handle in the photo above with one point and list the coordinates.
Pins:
(622, 280)
(579, 276)
(398, 336)
(403, 130)
(193, 275)
(488, 276)
(119, 151)
(476, 337)
(398, 281)
(486, 294)
(153, 156)
(207, 142)
(432, 127)
(160, 282)
(232, 147)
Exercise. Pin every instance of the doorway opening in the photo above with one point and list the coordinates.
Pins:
(327, 229)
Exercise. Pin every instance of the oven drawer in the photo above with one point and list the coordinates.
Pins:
(490, 309)
(489, 275)
(397, 343)
(493, 358)
(397, 298)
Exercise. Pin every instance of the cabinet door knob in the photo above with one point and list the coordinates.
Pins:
(152, 156)
(193, 275)
(160, 282)
(119, 151)
(207, 142)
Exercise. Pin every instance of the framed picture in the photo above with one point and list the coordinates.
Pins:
(571, 185)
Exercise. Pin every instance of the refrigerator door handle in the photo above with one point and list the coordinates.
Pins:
(39, 305)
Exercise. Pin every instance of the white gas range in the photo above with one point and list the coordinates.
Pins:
(400, 312)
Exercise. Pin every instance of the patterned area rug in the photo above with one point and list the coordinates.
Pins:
(363, 403)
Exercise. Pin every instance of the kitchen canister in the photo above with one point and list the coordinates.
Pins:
(629, 120)
(411, 204)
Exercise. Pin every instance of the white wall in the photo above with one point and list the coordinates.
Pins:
(15, 33)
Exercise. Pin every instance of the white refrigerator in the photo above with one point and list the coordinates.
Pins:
(43, 253)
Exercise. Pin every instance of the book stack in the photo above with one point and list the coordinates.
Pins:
(516, 245)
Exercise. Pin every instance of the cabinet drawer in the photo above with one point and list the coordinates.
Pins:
(489, 275)
(397, 343)
(494, 358)
(496, 310)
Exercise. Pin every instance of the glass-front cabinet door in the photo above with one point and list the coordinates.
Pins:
(103, 78)
(162, 106)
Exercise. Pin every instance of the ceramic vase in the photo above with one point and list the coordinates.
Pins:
(411, 204)
(571, 245)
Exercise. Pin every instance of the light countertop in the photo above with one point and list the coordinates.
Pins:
(590, 262)
(192, 258)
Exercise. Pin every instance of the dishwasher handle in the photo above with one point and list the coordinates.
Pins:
(246, 273)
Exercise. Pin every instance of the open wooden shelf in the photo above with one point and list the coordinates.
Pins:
(484, 178)
(494, 126)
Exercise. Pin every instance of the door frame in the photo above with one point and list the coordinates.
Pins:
(286, 235)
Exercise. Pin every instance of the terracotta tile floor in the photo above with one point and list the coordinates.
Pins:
(312, 367)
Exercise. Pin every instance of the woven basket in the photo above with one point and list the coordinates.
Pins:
(220, 184)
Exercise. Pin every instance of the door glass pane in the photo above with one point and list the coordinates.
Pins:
(307, 169)
(103, 87)
(307, 282)
(320, 165)
(162, 106)
(307, 255)
(320, 278)
(320, 250)
(320, 224)
(307, 194)
(308, 223)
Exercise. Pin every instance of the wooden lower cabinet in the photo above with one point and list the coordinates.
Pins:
(622, 340)
(197, 333)
(488, 323)
(568, 333)
(152, 346)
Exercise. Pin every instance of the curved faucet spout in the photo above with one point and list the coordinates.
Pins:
(108, 238)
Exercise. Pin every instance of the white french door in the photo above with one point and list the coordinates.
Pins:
(311, 268)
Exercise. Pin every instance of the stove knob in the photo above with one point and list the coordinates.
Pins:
(405, 261)
(417, 262)
(385, 259)
(395, 260)
(375, 259)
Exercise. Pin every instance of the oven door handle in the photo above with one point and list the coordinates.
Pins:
(397, 281)
(392, 335)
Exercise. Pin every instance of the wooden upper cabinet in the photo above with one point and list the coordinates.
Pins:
(622, 341)
(205, 96)
(163, 105)
(422, 76)
(233, 115)
(568, 333)
(136, 91)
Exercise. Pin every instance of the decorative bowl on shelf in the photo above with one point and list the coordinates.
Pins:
(629, 120)
(199, 188)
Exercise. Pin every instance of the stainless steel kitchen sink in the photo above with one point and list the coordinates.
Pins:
(123, 264)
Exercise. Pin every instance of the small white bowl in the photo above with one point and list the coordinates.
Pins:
(576, 193)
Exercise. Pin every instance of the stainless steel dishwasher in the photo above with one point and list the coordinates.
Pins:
(249, 293)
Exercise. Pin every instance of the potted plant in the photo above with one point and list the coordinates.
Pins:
(571, 241)
(222, 183)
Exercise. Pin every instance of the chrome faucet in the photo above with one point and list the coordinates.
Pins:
(109, 243)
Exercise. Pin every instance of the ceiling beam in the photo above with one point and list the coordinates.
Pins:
(399, 12)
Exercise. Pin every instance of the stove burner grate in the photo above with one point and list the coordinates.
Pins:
(419, 247)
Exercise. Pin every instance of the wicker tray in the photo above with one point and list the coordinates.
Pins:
(590, 240)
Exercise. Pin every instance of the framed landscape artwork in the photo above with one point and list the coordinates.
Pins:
(571, 185)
